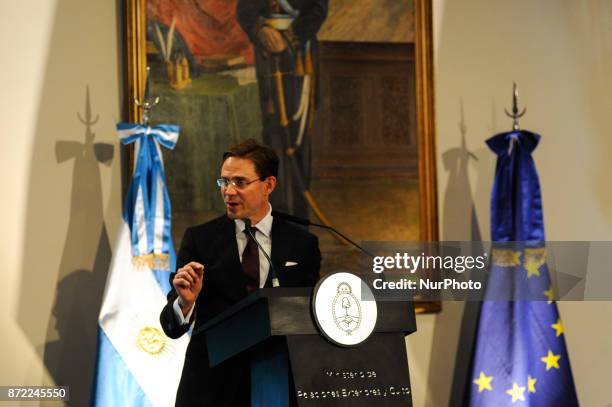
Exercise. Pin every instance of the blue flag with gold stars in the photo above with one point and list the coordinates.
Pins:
(520, 357)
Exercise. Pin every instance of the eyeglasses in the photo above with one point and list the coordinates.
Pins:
(238, 183)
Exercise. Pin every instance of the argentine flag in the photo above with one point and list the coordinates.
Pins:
(138, 365)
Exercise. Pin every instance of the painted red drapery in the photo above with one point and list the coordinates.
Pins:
(209, 27)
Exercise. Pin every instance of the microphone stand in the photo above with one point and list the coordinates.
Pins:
(306, 222)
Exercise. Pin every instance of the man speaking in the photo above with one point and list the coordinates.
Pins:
(220, 263)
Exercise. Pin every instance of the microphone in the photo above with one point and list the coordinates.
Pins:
(273, 273)
(306, 222)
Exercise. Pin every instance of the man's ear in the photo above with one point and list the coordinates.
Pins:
(270, 184)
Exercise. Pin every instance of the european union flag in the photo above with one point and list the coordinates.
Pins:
(520, 357)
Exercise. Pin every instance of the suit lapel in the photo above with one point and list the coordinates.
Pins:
(232, 272)
(280, 247)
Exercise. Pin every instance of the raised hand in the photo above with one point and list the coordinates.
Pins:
(188, 283)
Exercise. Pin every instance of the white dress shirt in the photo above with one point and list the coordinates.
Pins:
(263, 236)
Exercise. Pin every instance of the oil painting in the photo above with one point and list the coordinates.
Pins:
(341, 89)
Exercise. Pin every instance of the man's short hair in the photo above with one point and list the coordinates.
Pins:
(263, 157)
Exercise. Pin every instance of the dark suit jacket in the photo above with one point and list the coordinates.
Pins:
(214, 245)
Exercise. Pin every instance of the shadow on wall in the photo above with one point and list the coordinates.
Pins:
(66, 251)
(70, 358)
(456, 325)
(460, 221)
(69, 351)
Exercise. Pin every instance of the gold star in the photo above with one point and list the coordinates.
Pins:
(506, 257)
(550, 294)
(531, 381)
(484, 382)
(517, 392)
(534, 259)
(533, 269)
(516, 258)
(551, 360)
(558, 327)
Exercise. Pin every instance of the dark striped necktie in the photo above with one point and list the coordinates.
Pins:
(250, 262)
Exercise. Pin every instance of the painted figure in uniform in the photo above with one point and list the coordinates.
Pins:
(283, 33)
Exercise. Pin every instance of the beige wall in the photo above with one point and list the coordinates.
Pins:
(57, 191)
(560, 54)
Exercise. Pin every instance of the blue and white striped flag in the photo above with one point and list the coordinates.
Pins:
(138, 365)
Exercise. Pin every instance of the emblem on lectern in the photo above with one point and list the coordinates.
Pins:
(344, 309)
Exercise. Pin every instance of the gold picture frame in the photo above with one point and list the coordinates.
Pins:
(135, 57)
